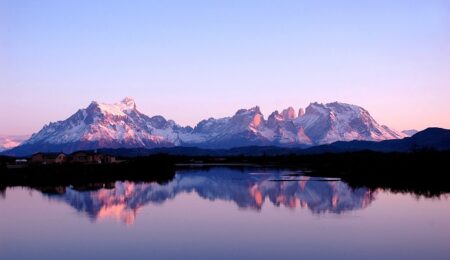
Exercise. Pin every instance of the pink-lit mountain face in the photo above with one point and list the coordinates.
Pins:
(121, 125)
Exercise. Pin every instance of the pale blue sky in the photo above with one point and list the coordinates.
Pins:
(189, 60)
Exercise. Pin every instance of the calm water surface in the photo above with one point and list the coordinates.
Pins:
(223, 213)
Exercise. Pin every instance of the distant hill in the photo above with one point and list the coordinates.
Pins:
(428, 139)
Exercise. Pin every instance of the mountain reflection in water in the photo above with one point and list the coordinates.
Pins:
(247, 190)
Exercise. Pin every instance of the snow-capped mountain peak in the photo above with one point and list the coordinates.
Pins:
(275, 117)
(252, 118)
(327, 123)
(103, 125)
(122, 108)
(128, 103)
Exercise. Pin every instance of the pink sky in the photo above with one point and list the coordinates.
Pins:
(192, 61)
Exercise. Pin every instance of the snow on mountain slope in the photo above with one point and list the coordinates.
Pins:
(121, 125)
(246, 127)
(327, 123)
(318, 124)
(284, 129)
(410, 132)
(111, 125)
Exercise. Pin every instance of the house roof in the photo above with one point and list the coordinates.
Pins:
(49, 155)
(84, 153)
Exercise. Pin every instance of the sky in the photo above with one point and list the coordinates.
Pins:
(191, 60)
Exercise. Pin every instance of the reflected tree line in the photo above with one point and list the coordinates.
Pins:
(423, 173)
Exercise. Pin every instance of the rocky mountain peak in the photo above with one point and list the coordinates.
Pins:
(289, 113)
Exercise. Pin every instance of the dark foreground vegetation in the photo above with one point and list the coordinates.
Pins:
(423, 172)
(157, 168)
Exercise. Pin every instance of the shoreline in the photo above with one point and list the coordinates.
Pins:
(424, 173)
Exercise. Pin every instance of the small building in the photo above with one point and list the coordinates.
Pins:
(86, 157)
(18, 163)
(48, 158)
(108, 159)
(21, 161)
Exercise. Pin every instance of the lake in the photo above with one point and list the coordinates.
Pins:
(223, 213)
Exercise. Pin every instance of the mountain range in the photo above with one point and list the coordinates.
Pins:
(122, 125)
